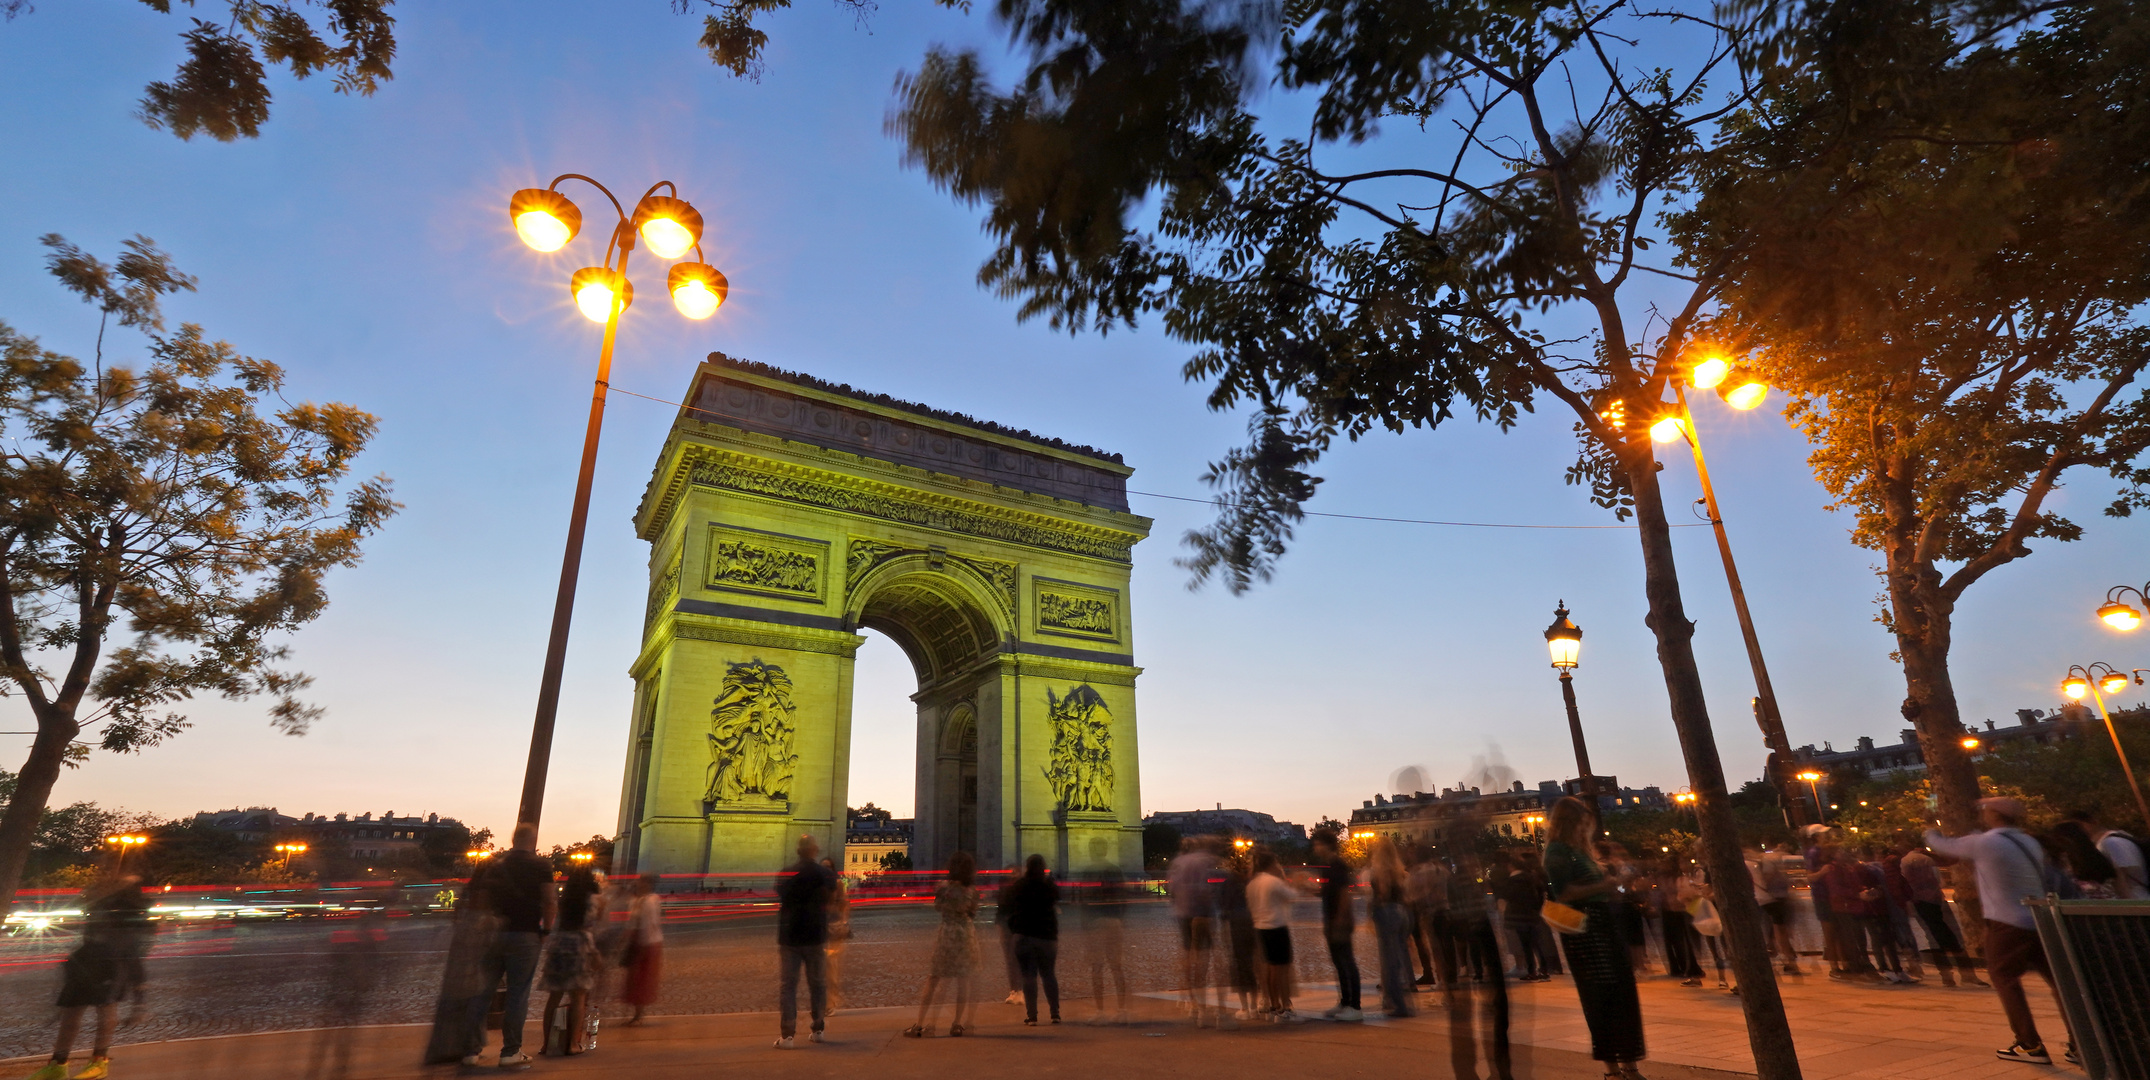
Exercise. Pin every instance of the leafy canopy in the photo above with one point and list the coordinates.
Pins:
(163, 503)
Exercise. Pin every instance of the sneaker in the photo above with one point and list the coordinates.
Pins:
(53, 1070)
(99, 1068)
(1349, 1016)
(2034, 1055)
(815, 1037)
(783, 1042)
(1015, 997)
(516, 1060)
(2072, 1057)
(470, 1061)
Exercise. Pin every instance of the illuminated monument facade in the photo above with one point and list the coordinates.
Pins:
(784, 515)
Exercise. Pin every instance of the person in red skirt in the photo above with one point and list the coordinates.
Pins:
(645, 947)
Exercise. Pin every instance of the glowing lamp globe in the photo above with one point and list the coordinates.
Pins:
(2113, 683)
(1710, 372)
(2075, 686)
(698, 289)
(596, 287)
(545, 219)
(2120, 616)
(1746, 395)
(1564, 639)
(669, 226)
(1670, 429)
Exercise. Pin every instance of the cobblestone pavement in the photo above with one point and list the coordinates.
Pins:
(230, 980)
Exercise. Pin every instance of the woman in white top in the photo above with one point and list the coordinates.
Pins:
(1270, 900)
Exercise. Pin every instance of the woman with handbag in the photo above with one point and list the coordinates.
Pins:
(1580, 909)
(644, 958)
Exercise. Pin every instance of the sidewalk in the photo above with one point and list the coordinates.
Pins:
(1843, 1033)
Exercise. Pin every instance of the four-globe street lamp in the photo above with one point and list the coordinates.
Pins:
(1743, 392)
(2099, 680)
(1564, 640)
(546, 220)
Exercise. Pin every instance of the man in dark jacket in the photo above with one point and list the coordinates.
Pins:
(1337, 923)
(517, 888)
(1034, 918)
(802, 936)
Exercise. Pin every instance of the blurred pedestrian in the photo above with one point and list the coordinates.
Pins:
(1034, 916)
(1820, 850)
(1896, 901)
(353, 975)
(1192, 882)
(1237, 926)
(1597, 957)
(1522, 900)
(1386, 901)
(955, 944)
(839, 931)
(1923, 880)
(644, 947)
(2010, 868)
(104, 970)
(2090, 869)
(1105, 943)
(2131, 879)
(1698, 894)
(518, 889)
(802, 940)
(1270, 900)
(1338, 923)
(1773, 892)
(1852, 906)
(1001, 910)
(1478, 1006)
(1675, 924)
(1428, 884)
(567, 971)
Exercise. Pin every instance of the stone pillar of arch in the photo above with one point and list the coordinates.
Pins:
(783, 516)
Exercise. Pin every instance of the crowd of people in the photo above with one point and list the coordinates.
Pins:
(1458, 923)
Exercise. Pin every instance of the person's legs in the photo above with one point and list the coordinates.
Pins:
(1026, 958)
(491, 969)
(962, 999)
(925, 1002)
(815, 959)
(1883, 936)
(519, 954)
(788, 963)
(2010, 951)
(70, 1026)
(1347, 972)
(1049, 971)
(1419, 935)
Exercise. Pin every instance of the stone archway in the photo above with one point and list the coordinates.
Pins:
(786, 514)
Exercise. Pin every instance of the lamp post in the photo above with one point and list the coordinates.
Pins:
(2098, 680)
(1743, 393)
(546, 221)
(1564, 640)
(1813, 778)
(2117, 613)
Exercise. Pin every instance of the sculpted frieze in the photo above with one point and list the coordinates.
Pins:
(769, 564)
(1080, 766)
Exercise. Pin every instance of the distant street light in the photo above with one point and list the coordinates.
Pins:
(1741, 391)
(1970, 742)
(546, 220)
(2098, 680)
(1814, 778)
(1564, 640)
(2117, 613)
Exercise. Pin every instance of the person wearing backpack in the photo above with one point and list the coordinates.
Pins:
(2010, 867)
(2132, 881)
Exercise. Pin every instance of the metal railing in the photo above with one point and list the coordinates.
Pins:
(2100, 954)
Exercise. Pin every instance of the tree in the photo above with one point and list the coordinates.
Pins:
(162, 505)
(895, 861)
(1394, 293)
(1942, 251)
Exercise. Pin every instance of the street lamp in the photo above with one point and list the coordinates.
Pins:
(1813, 778)
(289, 850)
(2099, 680)
(671, 227)
(2117, 613)
(1741, 391)
(1564, 640)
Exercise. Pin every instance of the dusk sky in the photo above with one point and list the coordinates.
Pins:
(364, 244)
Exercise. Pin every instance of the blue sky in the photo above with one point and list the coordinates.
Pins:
(364, 244)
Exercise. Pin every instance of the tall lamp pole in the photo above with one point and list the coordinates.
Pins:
(1564, 640)
(546, 221)
(2110, 680)
(1741, 393)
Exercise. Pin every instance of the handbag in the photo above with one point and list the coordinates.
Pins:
(1561, 917)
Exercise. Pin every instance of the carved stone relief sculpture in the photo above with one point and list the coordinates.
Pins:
(745, 560)
(751, 759)
(1080, 766)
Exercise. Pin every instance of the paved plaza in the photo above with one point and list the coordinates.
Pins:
(233, 1003)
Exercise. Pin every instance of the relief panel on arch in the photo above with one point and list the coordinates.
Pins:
(767, 564)
(1068, 609)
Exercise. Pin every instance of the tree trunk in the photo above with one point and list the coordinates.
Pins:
(1924, 621)
(33, 790)
(1769, 1033)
